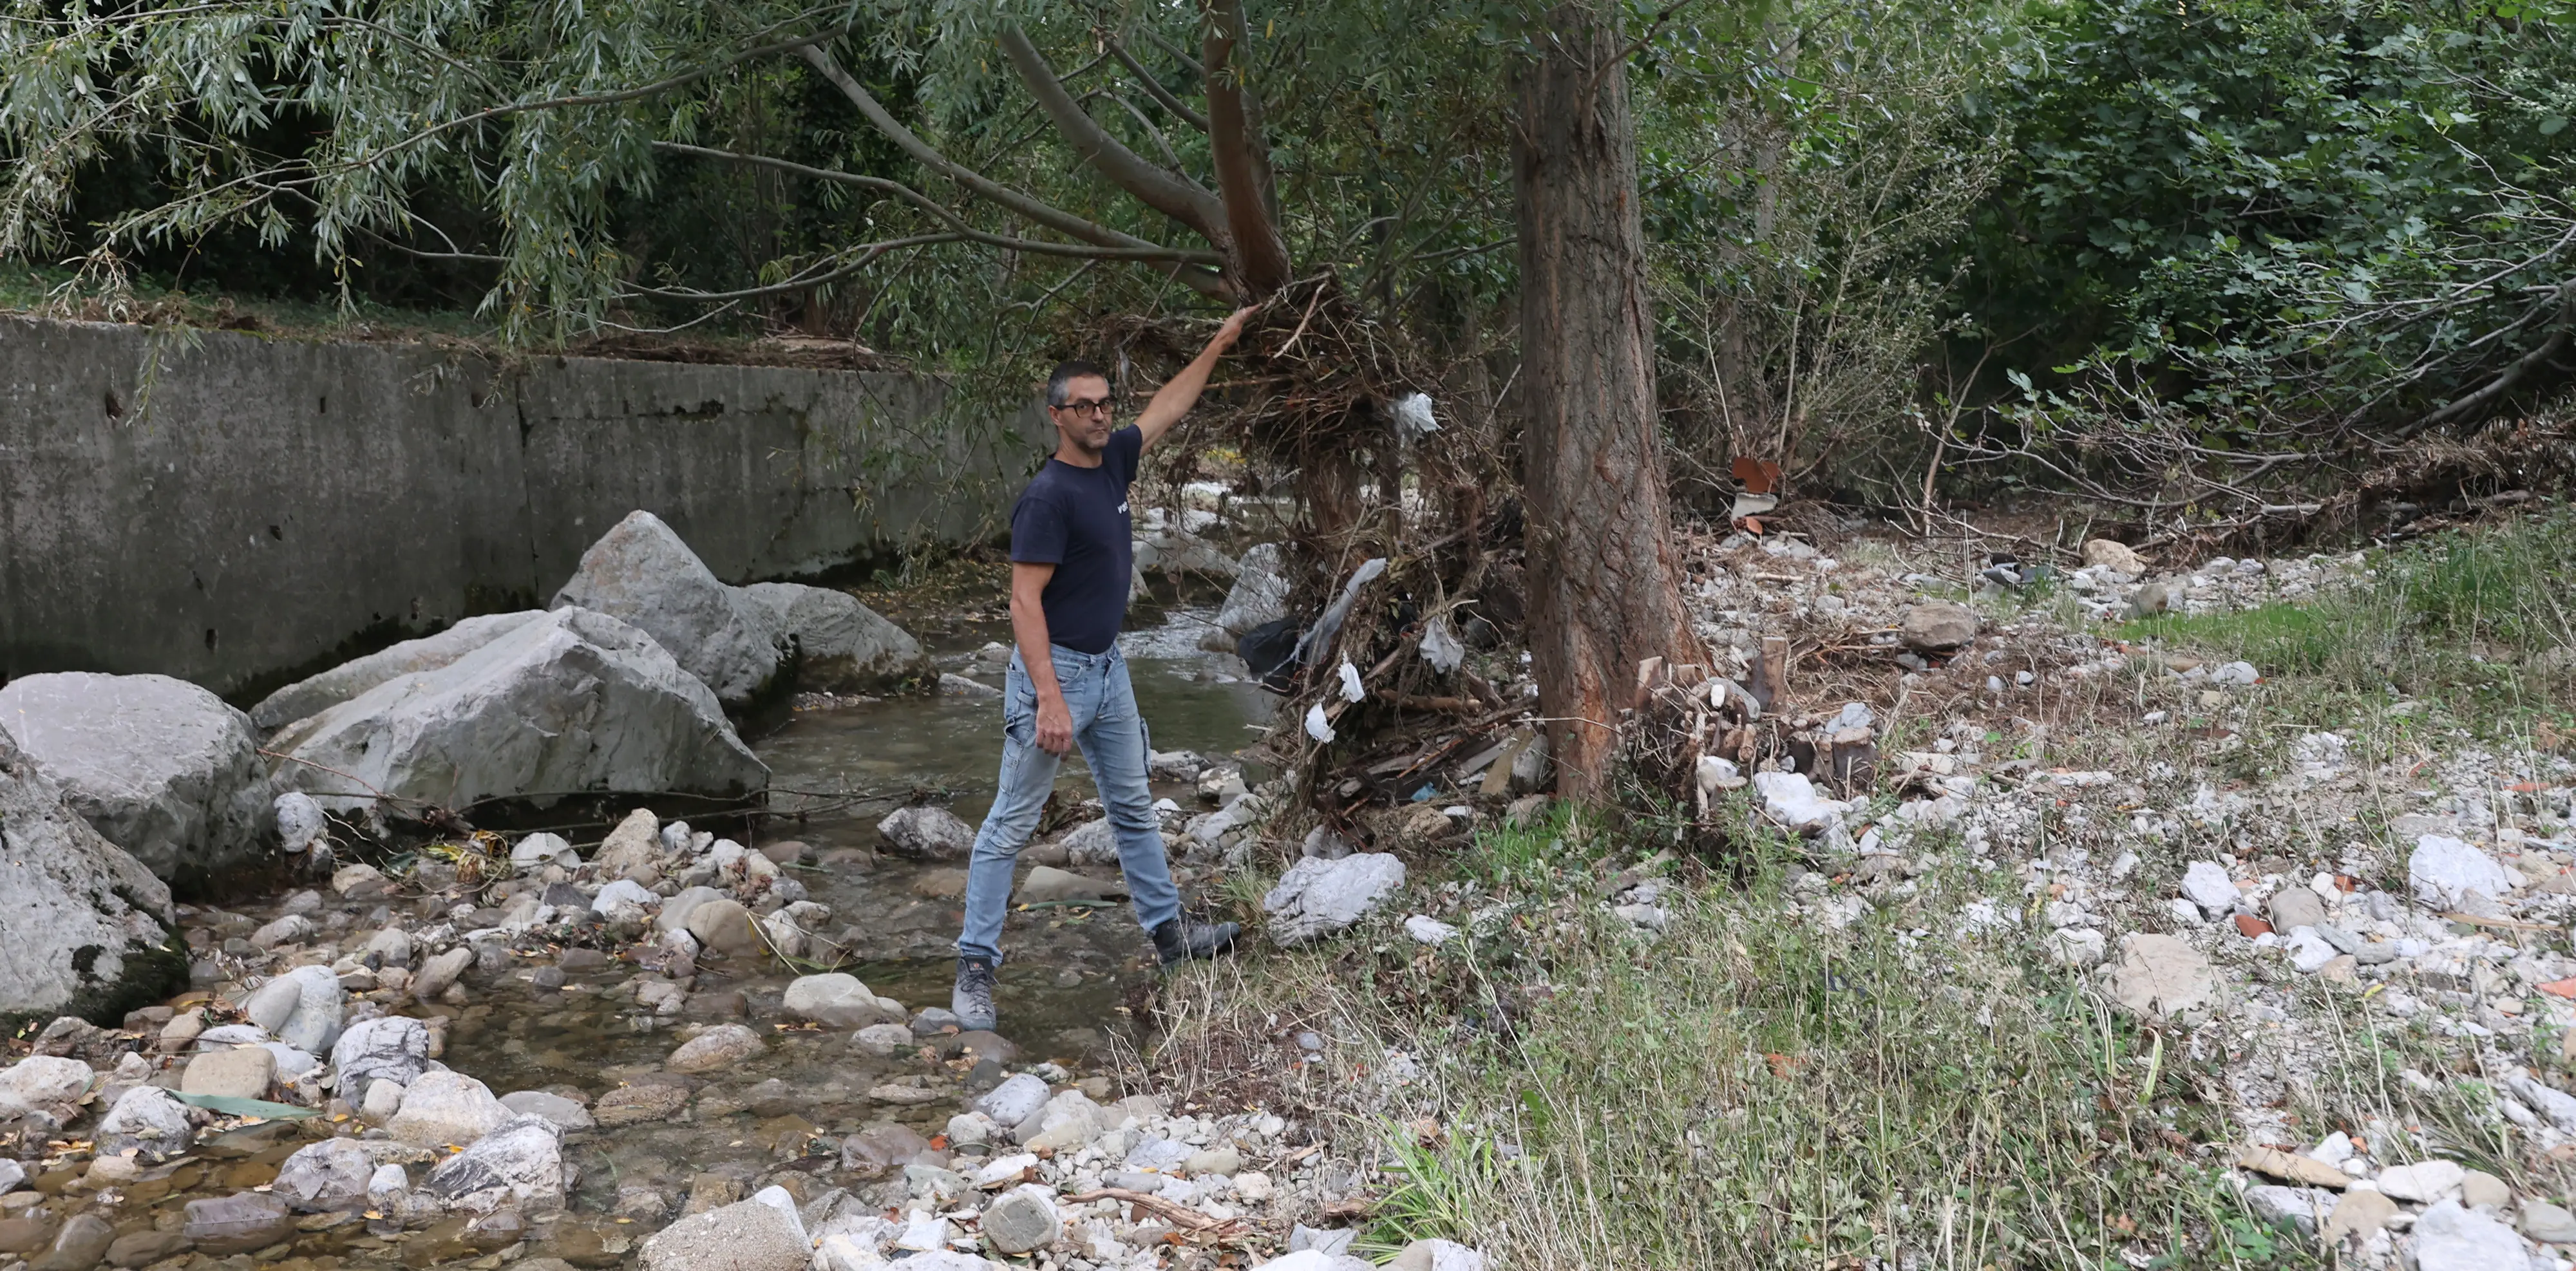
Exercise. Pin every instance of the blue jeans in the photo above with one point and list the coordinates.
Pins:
(1112, 736)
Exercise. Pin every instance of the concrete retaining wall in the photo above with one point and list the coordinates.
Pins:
(234, 509)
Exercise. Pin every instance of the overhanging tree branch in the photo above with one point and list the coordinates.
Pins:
(1241, 155)
(1154, 87)
(1166, 192)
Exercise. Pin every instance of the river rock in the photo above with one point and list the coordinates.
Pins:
(1094, 842)
(541, 849)
(2206, 884)
(723, 925)
(1938, 626)
(441, 972)
(674, 914)
(2160, 975)
(2423, 1182)
(2104, 553)
(1046, 882)
(161, 767)
(2445, 872)
(1013, 1101)
(743, 1236)
(143, 1248)
(325, 1177)
(301, 823)
(240, 1073)
(1316, 898)
(446, 1108)
(149, 1121)
(839, 1001)
(384, 1099)
(1022, 1220)
(640, 572)
(312, 696)
(841, 645)
(78, 1246)
(2547, 1223)
(1792, 800)
(1259, 595)
(239, 1223)
(927, 833)
(716, 1049)
(86, 928)
(565, 1114)
(301, 1008)
(391, 1048)
(519, 1165)
(635, 844)
(635, 1105)
(577, 701)
(42, 1081)
(2296, 907)
(2449, 1238)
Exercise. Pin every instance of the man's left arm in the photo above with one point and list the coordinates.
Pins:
(1175, 398)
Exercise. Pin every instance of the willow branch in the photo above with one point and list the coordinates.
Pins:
(1169, 193)
(1154, 87)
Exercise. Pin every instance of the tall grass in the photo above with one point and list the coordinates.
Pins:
(1753, 1089)
(2480, 618)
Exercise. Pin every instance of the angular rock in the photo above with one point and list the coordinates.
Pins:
(78, 1246)
(1437, 1255)
(882, 1039)
(927, 833)
(2445, 871)
(837, 1001)
(519, 1165)
(2076, 947)
(2160, 975)
(2291, 1166)
(635, 844)
(325, 1177)
(540, 849)
(564, 1114)
(841, 645)
(446, 1109)
(1938, 626)
(2300, 1207)
(1022, 1220)
(392, 1048)
(240, 1223)
(577, 701)
(2206, 884)
(312, 696)
(1013, 1101)
(42, 1081)
(635, 1105)
(744, 1236)
(2103, 553)
(1259, 595)
(147, 1120)
(1316, 898)
(441, 972)
(1315, 1260)
(716, 1049)
(86, 929)
(640, 572)
(241, 1073)
(1791, 800)
(162, 768)
(2450, 1238)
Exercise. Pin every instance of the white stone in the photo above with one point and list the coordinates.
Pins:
(1014, 1100)
(565, 1114)
(1022, 1220)
(2077, 946)
(85, 927)
(1316, 898)
(624, 892)
(149, 1120)
(2444, 871)
(2449, 1238)
(391, 1048)
(927, 833)
(519, 1165)
(2160, 975)
(301, 1008)
(542, 848)
(42, 1081)
(325, 1176)
(2206, 884)
(744, 1236)
(446, 1108)
(301, 824)
(2424, 1182)
(2309, 951)
(838, 1001)
(162, 768)
(1437, 1255)
(578, 701)
(1426, 929)
(1790, 799)
(841, 645)
(1260, 593)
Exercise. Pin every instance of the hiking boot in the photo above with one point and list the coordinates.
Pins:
(1180, 939)
(972, 1001)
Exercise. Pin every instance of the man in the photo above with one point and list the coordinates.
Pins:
(1072, 555)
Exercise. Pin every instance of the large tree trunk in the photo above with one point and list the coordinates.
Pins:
(1604, 588)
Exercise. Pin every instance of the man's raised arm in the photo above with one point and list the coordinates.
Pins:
(1175, 398)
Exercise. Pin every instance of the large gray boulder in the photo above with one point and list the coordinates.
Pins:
(641, 572)
(1317, 897)
(519, 1165)
(577, 701)
(314, 695)
(162, 767)
(1260, 593)
(841, 645)
(86, 929)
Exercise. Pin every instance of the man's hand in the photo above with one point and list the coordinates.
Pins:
(1055, 726)
(1176, 397)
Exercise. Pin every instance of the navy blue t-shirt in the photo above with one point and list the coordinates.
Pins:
(1076, 520)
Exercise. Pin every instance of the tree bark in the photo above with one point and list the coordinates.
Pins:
(1604, 590)
(1241, 155)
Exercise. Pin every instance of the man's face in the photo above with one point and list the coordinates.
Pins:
(1084, 417)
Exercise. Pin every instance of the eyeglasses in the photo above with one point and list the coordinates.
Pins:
(1100, 407)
